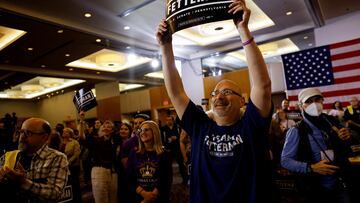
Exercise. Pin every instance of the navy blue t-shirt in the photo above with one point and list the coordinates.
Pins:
(229, 163)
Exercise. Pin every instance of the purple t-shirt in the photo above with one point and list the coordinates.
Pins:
(149, 170)
(229, 163)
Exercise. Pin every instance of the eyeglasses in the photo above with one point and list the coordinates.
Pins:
(28, 133)
(224, 92)
(143, 130)
(317, 99)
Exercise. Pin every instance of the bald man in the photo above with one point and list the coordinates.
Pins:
(229, 154)
(39, 173)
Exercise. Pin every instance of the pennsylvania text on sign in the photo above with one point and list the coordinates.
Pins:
(181, 14)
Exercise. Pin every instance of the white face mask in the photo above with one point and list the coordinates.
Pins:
(314, 109)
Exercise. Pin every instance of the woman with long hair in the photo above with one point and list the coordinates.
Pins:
(149, 167)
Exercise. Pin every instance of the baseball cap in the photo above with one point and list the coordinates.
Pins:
(305, 94)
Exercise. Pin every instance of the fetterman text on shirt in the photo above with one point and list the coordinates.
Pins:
(222, 145)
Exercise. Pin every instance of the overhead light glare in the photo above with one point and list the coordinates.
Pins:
(87, 15)
(155, 63)
(288, 13)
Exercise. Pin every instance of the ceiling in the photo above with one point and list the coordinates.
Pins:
(58, 34)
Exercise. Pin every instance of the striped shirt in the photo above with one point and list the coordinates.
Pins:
(46, 177)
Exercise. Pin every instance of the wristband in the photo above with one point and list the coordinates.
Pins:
(248, 41)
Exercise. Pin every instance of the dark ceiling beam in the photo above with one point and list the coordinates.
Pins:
(6, 75)
(74, 75)
(314, 9)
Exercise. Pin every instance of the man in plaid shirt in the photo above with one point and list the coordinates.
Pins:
(40, 173)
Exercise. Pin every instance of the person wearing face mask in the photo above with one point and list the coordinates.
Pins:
(317, 150)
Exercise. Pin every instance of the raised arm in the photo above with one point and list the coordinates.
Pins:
(261, 85)
(172, 78)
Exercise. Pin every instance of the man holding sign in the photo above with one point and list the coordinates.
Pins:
(229, 154)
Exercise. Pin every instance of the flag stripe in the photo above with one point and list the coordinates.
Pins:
(345, 49)
(329, 88)
(354, 66)
(344, 44)
(347, 61)
(349, 73)
(345, 97)
(347, 79)
(345, 55)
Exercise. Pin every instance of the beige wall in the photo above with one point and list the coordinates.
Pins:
(135, 101)
(59, 108)
(22, 108)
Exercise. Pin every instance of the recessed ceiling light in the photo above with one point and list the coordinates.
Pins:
(98, 73)
(71, 69)
(288, 13)
(30, 49)
(67, 55)
(43, 66)
(87, 15)
(60, 31)
(62, 91)
(57, 92)
(38, 98)
(310, 44)
(155, 63)
(98, 40)
(128, 47)
(305, 37)
(126, 27)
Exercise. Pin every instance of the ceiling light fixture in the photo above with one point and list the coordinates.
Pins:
(126, 27)
(310, 44)
(87, 15)
(67, 55)
(43, 66)
(98, 40)
(60, 31)
(305, 37)
(51, 82)
(110, 60)
(71, 69)
(288, 13)
(9, 35)
(30, 49)
(29, 89)
(155, 63)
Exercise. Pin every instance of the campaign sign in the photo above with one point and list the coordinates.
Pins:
(181, 14)
(84, 100)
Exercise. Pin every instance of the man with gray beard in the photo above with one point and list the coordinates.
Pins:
(35, 172)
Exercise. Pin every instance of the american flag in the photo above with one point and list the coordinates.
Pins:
(333, 69)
